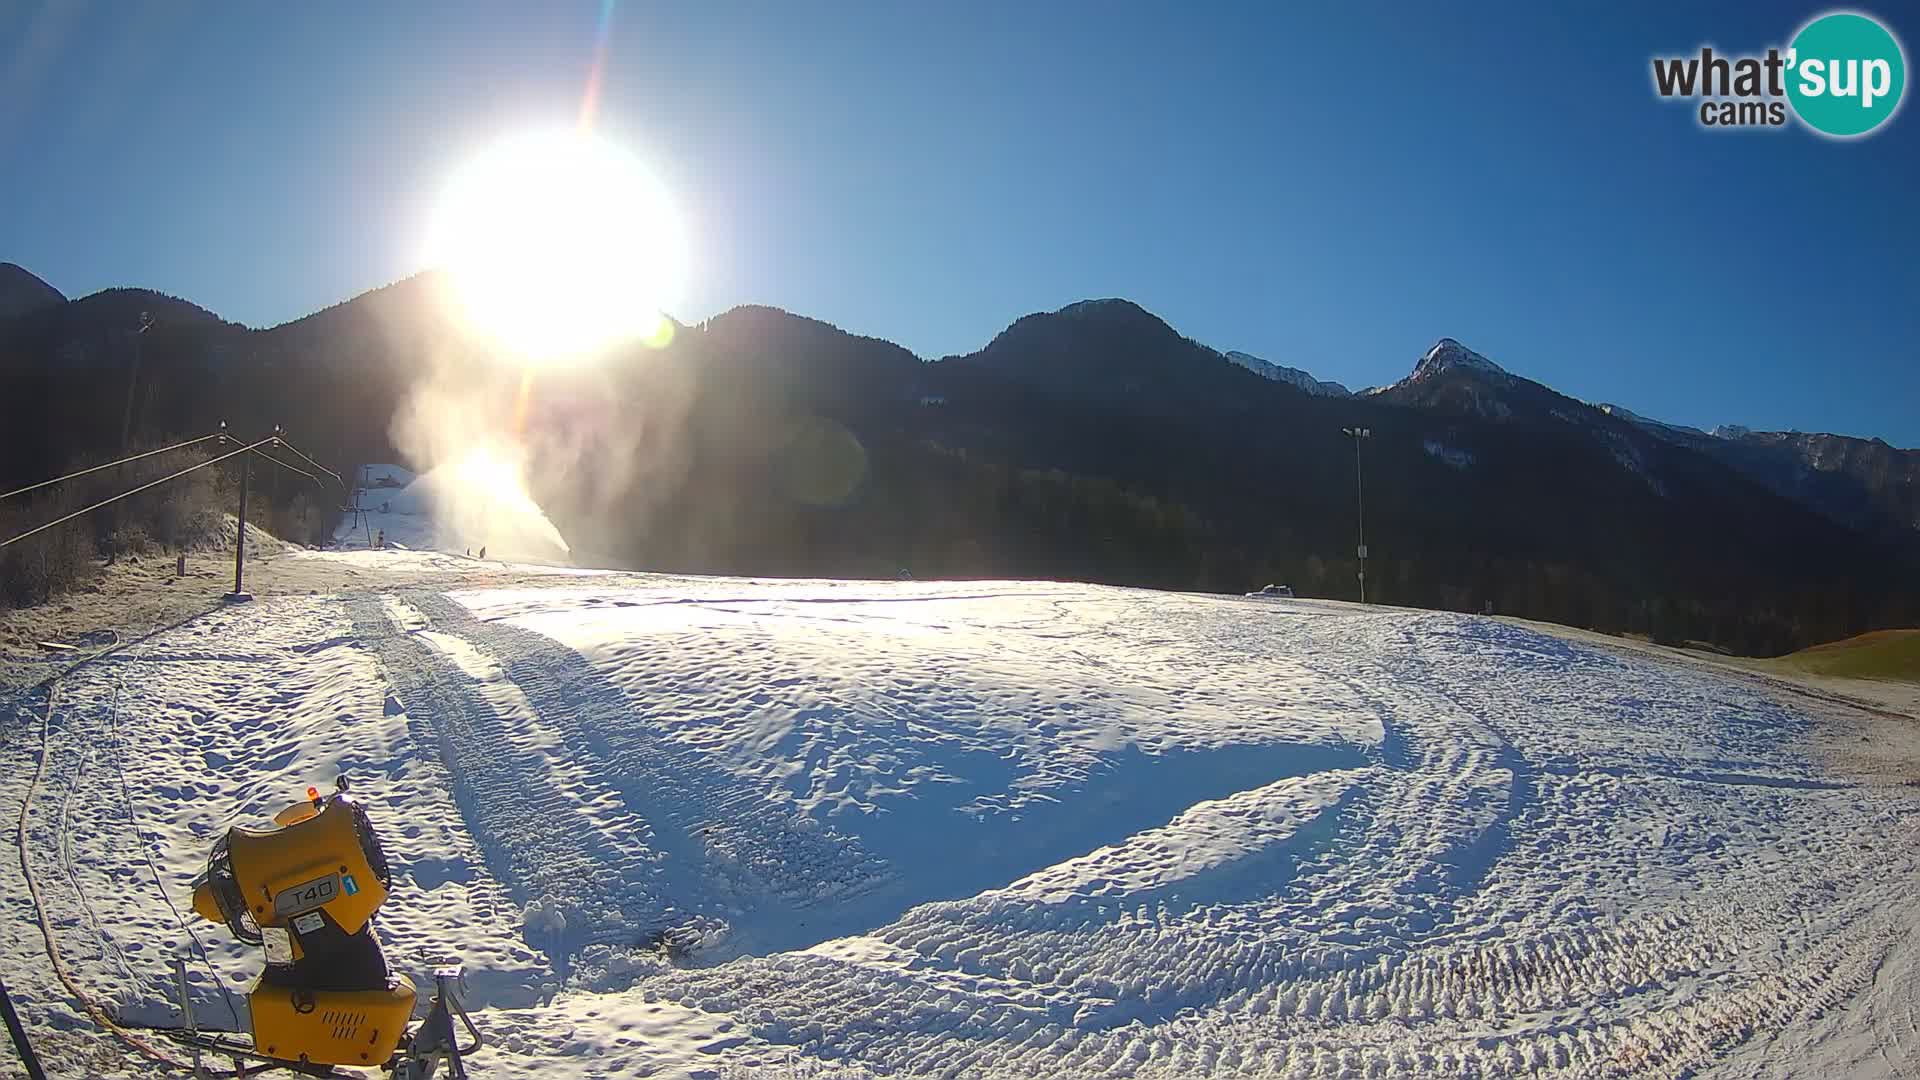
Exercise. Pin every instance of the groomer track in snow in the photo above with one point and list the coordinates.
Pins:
(710, 826)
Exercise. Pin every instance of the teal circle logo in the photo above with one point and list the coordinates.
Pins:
(1845, 74)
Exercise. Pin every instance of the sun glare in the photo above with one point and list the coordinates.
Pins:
(558, 244)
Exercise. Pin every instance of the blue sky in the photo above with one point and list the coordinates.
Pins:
(1331, 189)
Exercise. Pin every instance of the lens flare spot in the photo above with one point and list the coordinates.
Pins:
(822, 463)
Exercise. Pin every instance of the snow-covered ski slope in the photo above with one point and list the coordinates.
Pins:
(724, 828)
(462, 508)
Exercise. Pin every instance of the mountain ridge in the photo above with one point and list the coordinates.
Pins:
(1292, 376)
(22, 292)
(1093, 442)
(1446, 354)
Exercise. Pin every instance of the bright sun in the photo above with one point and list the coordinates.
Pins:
(559, 244)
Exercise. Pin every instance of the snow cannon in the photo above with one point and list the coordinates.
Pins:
(306, 891)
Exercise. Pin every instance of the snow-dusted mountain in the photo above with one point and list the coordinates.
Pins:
(1166, 455)
(1537, 422)
(1295, 377)
(1451, 378)
(1862, 483)
(1677, 432)
(1448, 355)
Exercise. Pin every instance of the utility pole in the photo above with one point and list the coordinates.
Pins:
(360, 511)
(1360, 498)
(239, 594)
(133, 380)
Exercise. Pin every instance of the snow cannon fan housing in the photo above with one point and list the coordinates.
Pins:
(307, 891)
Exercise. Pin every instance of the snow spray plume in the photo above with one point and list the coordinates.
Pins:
(608, 444)
(597, 442)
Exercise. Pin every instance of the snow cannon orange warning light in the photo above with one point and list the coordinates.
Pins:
(295, 813)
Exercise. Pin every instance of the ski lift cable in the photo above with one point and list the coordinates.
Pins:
(284, 465)
(134, 491)
(109, 465)
(281, 440)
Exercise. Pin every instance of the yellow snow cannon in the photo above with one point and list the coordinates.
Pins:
(306, 891)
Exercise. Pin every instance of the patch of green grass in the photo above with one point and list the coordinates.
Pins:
(1882, 654)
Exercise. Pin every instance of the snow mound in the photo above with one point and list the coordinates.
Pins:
(260, 542)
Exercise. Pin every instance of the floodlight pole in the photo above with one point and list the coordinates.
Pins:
(1360, 499)
(133, 380)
